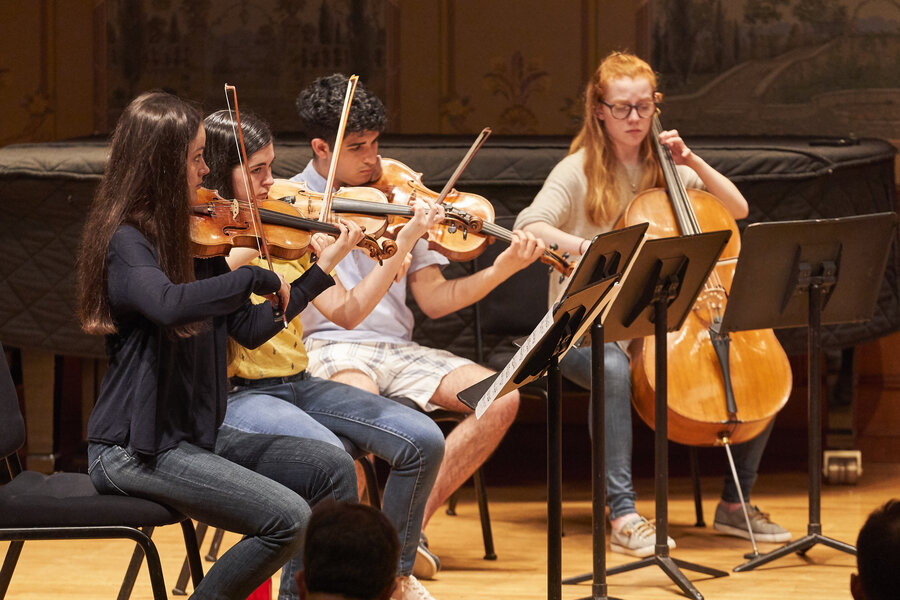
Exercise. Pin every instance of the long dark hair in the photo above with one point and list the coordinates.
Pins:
(145, 185)
(221, 153)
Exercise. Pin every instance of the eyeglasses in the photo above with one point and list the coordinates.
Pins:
(618, 110)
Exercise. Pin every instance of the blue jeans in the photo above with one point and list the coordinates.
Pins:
(256, 485)
(318, 408)
(576, 366)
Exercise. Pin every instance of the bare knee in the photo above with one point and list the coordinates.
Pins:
(357, 379)
(507, 406)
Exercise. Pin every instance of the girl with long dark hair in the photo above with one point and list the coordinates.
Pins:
(155, 429)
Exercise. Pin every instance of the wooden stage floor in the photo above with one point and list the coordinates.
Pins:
(93, 569)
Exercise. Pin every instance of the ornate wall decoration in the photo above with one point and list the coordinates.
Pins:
(269, 49)
(514, 81)
(801, 67)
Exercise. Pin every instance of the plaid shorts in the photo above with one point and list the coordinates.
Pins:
(405, 370)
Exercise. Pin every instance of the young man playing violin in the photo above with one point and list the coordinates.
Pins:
(273, 392)
(379, 355)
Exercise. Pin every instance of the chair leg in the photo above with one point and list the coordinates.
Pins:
(371, 481)
(154, 566)
(192, 548)
(481, 498)
(181, 582)
(698, 495)
(9, 565)
(134, 567)
(451, 503)
(214, 545)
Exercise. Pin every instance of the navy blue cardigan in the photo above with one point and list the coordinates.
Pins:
(160, 390)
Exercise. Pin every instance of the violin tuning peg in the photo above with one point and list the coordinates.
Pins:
(554, 247)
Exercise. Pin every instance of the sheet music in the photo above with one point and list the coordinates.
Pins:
(503, 377)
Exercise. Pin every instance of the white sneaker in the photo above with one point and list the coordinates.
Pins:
(637, 537)
(409, 588)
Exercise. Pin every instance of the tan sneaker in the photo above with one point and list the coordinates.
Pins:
(409, 588)
(733, 523)
(637, 537)
(427, 563)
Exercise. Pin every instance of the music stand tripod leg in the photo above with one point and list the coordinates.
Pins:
(554, 481)
(598, 469)
(661, 558)
(814, 449)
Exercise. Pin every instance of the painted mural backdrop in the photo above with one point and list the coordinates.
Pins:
(804, 67)
(269, 49)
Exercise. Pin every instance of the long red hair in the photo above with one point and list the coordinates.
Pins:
(602, 202)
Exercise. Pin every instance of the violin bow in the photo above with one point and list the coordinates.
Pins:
(476, 145)
(263, 244)
(325, 212)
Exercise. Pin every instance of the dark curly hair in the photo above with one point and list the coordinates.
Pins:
(320, 103)
(877, 552)
(351, 550)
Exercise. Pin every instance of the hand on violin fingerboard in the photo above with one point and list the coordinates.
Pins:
(318, 242)
(350, 236)
(524, 249)
(426, 214)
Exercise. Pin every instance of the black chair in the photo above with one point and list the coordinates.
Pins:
(180, 589)
(65, 506)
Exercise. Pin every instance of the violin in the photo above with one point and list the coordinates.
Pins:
(468, 227)
(217, 225)
(366, 206)
(720, 389)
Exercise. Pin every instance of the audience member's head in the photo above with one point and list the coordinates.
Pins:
(877, 555)
(351, 551)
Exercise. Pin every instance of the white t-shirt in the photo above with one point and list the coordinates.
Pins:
(391, 320)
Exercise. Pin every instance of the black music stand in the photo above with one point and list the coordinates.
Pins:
(609, 255)
(580, 306)
(665, 280)
(809, 273)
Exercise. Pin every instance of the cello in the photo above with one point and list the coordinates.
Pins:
(721, 389)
